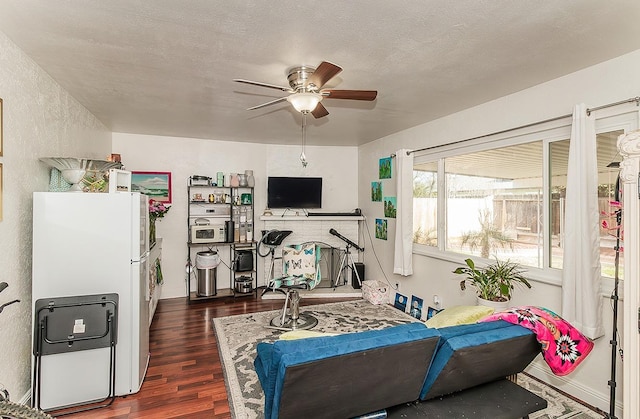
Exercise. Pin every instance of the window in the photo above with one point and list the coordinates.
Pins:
(425, 203)
(494, 203)
(607, 175)
(508, 202)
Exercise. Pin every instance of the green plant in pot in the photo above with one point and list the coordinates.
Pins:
(494, 283)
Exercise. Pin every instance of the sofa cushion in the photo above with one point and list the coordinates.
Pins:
(294, 369)
(465, 329)
(303, 334)
(459, 315)
(475, 354)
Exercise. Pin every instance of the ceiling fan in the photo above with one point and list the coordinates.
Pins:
(306, 89)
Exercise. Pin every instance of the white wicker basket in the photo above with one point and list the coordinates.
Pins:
(375, 292)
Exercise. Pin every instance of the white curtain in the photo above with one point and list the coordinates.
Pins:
(581, 302)
(402, 261)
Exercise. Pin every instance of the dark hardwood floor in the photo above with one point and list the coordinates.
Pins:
(185, 378)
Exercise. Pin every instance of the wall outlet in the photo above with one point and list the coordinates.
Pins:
(436, 301)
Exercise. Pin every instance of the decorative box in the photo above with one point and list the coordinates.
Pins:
(376, 292)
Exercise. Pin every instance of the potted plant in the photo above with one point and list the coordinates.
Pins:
(494, 283)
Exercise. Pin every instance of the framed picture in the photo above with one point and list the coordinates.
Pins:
(157, 185)
(384, 168)
(416, 307)
(432, 312)
(1, 124)
(376, 191)
(400, 302)
(390, 206)
(381, 229)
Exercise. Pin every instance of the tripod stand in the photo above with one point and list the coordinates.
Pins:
(347, 260)
(346, 263)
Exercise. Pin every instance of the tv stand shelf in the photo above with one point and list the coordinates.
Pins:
(277, 218)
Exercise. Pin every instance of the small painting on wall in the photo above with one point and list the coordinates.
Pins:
(384, 168)
(376, 191)
(157, 185)
(390, 206)
(381, 229)
(400, 302)
(416, 307)
(432, 312)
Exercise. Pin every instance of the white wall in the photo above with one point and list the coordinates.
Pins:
(184, 157)
(40, 120)
(608, 82)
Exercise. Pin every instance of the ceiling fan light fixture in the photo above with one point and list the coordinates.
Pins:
(304, 102)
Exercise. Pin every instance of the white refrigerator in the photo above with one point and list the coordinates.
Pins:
(87, 244)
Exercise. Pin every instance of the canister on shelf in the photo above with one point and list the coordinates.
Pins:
(251, 181)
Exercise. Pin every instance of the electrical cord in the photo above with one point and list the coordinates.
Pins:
(261, 242)
(376, 255)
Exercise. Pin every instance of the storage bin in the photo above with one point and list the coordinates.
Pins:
(374, 291)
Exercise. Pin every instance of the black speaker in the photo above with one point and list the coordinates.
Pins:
(354, 279)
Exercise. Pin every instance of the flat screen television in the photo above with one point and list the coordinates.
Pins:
(294, 192)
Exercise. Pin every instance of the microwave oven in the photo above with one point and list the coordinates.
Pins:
(213, 233)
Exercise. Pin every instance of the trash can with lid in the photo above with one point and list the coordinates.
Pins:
(206, 267)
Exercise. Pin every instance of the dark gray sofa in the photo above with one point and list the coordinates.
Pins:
(353, 374)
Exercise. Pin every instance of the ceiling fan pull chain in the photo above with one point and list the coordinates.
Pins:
(303, 157)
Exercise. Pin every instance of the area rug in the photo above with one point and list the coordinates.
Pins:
(237, 337)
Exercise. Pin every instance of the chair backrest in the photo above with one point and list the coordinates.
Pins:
(302, 259)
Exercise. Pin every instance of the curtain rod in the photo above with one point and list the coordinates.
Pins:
(557, 118)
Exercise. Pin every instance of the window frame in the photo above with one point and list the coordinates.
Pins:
(608, 119)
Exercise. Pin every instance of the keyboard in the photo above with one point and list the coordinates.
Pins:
(355, 213)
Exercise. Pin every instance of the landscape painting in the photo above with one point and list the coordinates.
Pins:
(381, 229)
(376, 191)
(384, 169)
(390, 206)
(157, 185)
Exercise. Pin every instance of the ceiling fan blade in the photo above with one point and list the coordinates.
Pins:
(280, 99)
(350, 94)
(325, 72)
(320, 111)
(271, 86)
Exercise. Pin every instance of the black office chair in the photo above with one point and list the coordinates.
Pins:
(272, 239)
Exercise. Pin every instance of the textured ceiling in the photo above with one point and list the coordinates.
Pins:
(166, 67)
